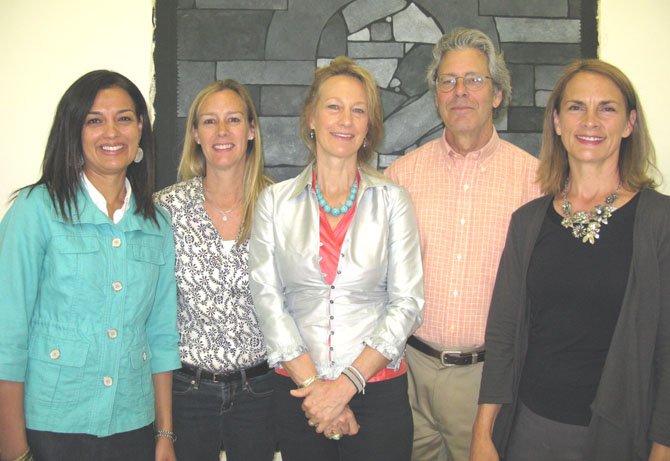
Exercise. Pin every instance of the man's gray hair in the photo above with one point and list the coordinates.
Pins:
(460, 39)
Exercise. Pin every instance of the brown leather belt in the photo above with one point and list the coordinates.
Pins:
(448, 358)
(251, 372)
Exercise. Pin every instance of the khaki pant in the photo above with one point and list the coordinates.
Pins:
(444, 404)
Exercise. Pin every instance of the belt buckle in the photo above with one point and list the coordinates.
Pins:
(444, 355)
(468, 358)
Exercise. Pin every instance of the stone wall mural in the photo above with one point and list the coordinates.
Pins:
(272, 46)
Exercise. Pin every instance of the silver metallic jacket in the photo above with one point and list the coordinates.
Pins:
(377, 296)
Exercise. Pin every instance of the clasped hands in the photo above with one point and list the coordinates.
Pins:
(326, 407)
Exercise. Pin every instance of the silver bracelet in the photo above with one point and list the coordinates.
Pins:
(167, 434)
(355, 380)
(355, 369)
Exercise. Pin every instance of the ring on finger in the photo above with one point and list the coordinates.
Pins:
(312, 423)
(335, 436)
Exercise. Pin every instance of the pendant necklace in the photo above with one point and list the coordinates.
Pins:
(586, 225)
(224, 213)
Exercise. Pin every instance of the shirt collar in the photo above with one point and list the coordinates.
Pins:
(485, 152)
(100, 202)
(304, 180)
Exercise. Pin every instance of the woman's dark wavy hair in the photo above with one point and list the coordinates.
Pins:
(63, 161)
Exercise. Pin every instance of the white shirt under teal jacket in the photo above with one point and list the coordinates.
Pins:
(88, 313)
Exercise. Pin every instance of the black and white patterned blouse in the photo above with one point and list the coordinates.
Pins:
(218, 327)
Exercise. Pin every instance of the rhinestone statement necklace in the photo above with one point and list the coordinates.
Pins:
(586, 225)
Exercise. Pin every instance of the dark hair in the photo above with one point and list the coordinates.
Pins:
(63, 161)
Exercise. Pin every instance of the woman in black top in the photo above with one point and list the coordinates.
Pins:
(578, 338)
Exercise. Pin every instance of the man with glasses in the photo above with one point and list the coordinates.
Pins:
(465, 186)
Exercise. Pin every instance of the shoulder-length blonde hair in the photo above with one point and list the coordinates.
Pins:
(343, 65)
(193, 163)
(636, 155)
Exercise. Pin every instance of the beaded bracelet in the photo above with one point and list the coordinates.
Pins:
(167, 434)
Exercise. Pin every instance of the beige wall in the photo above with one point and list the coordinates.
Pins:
(47, 44)
(634, 35)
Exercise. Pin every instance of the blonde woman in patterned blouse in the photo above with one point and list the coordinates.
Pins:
(222, 392)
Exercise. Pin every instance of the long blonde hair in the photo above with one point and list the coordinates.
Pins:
(193, 162)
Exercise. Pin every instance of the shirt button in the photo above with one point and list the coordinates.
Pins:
(107, 381)
(459, 257)
(462, 221)
(455, 293)
(332, 287)
(54, 354)
(117, 286)
(332, 302)
(332, 333)
(112, 333)
(331, 348)
(339, 272)
(144, 356)
(466, 187)
(332, 317)
(116, 242)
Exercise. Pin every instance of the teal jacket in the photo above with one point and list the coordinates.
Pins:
(88, 312)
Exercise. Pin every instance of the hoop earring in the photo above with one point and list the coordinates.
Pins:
(139, 155)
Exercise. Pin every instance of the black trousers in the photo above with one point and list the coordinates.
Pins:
(136, 445)
(383, 413)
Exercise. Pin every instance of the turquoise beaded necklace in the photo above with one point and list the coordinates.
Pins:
(341, 210)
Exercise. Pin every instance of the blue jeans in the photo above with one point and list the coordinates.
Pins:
(136, 445)
(210, 415)
(383, 413)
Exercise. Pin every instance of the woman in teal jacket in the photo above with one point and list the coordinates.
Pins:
(88, 303)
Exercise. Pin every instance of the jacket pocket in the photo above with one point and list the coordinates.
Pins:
(71, 263)
(145, 260)
(56, 369)
(140, 362)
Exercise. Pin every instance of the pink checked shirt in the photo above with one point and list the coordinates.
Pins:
(463, 205)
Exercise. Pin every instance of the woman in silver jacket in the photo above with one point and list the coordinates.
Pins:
(337, 282)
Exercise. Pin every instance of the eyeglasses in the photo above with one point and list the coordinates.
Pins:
(473, 82)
